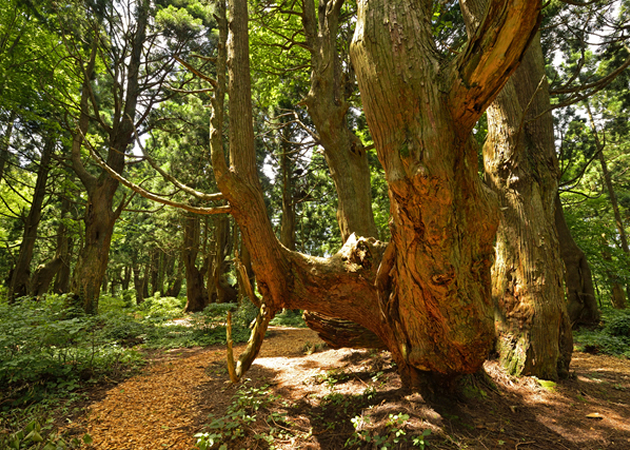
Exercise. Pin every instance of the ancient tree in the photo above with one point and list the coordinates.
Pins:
(426, 295)
(533, 326)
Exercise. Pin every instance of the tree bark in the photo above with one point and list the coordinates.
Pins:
(100, 216)
(426, 295)
(21, 276)
(533, 326)
(581, 301)
(196, 293)
(43, 276)
(343, 150)
(140, 283)
(617, 293)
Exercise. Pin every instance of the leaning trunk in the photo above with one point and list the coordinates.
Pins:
(533, 328)
(19, 284)
(43, 276)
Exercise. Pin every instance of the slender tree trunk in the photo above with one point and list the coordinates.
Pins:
(344, 152)
(175, 285)
(5, 142)
(19, 284)
(287, 223)
(196, 293)
(617, 293)
(139, 283)
(581, 301)
(533, 328)
(221, 249)
(126, 277)
(62, 282)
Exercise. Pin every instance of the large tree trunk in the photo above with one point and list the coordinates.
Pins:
(21, 276)
(196, 293)
(92, 261)
(533, 327)
(100, 216)
(581, 302)
(344, 152)
(431, 304)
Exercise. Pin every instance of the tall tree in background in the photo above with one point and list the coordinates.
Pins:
(19, 284)
(533, 327)
(136, 68)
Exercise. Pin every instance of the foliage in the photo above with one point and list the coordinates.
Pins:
(245, 410)
(289, 318)
(611, 338)
(46, 347)
(395, 433)
(31, 437)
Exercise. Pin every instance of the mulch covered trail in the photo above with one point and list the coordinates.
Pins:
(166, 405)
(171, 400)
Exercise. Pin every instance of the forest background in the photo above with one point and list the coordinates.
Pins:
(134, 85)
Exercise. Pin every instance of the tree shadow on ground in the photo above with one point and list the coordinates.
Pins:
(354, 399)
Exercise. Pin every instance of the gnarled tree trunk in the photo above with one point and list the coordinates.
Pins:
(92, 261)
(100, 216)
(427, 294)
(533, 326)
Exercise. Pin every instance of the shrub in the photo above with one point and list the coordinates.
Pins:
(619, 325)
(46, 346)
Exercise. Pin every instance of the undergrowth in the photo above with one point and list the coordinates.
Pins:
(612, 337)
(289, 318)
(51, 354)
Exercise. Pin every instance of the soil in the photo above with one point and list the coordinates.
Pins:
(301, 395)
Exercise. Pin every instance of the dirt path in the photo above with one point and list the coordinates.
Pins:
(166, 405)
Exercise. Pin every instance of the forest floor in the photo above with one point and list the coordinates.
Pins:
(300, 395)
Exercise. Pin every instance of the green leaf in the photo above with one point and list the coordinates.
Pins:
(34, 436)
(87, 439)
